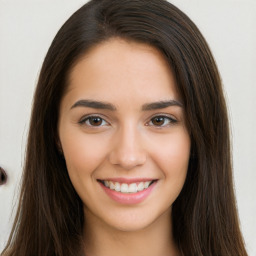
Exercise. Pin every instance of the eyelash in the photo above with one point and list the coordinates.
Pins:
(91, 117)
(169, 119)
(165, 118)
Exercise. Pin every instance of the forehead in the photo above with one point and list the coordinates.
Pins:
(118, 69)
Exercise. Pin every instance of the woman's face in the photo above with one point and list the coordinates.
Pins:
(123, 135)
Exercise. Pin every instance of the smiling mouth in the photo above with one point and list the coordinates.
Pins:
(125, 187)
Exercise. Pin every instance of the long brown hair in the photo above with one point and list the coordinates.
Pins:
(50, 218)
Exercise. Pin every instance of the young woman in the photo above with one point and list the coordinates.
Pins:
(128, 150)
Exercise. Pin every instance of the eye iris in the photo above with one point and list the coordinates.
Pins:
(95, 121)
(158, 121)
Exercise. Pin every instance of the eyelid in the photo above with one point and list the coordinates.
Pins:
(86, 117)
(172, 119)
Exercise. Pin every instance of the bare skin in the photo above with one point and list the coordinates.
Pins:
(127, 243)
(122, 122)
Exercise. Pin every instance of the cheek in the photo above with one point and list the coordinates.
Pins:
(83, 153)
(174, 165)
(172, 156)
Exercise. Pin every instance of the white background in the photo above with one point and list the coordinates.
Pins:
(26, 31)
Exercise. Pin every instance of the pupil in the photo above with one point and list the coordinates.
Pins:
(158, 121)
(96, 121)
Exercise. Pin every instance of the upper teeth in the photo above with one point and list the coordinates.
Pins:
(126, 188)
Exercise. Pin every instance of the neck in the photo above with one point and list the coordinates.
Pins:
(155, 239)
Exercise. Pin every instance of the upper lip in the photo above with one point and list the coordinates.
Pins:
(127, 180)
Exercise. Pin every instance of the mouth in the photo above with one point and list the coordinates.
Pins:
(127, 188)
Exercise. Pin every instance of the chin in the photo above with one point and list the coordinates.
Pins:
(135, 221)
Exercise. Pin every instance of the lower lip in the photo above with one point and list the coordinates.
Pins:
(129, 198)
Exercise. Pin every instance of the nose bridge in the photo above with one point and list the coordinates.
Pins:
(128, 151)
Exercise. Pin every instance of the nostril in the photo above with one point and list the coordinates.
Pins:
(3, 176)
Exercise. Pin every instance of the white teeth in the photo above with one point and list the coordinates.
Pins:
(117, 187)
(132, 188)
(111, 185)
(146, 184)
(126, 188)
(106, 183)
(140, 186)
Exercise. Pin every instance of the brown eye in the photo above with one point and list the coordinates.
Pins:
(95, 121)
(162, 121)
(158, 121)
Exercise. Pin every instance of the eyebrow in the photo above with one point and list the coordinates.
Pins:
(161, 105)
(109, 106)
(94, 104)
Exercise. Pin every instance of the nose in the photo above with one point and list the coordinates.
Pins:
(127, 151)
